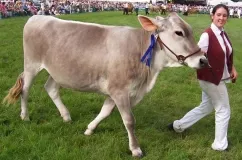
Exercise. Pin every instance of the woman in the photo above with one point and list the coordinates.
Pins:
(216, 44)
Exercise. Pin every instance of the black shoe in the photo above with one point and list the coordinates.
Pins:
(170, 127)
(229, 146)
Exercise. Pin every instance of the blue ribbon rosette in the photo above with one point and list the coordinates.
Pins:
(148, 54)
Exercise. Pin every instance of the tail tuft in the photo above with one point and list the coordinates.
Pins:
(15, 91)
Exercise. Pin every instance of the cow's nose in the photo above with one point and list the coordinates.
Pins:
(204, 62)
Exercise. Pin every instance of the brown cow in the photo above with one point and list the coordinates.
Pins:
(130, 8)
(155, 9)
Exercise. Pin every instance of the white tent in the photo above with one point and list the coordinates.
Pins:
(215, 2)
(239, 4)
(144, 1)
(226, 2)
(7, 1)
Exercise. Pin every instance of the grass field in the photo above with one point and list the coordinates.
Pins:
(176, 92)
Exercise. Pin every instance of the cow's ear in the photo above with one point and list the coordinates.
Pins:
(147, 23)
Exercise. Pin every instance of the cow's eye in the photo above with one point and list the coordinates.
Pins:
(179, 33)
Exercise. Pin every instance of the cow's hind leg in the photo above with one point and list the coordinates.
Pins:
(123, 103)
(106, 110)
(28, 77)
(53, 90)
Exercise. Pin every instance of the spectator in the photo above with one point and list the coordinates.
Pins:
(239, 12)
(147, 5)
(136, 8)
(3, 9)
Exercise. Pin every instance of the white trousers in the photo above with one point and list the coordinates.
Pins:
(213, 97)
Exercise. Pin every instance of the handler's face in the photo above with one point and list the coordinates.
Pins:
(220, 17)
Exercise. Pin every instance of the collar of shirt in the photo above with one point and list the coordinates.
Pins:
(215, 29)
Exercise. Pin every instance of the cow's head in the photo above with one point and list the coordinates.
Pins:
(176, 39)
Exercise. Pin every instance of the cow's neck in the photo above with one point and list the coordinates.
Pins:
(158, 63)
(150, 74)
(160, 60)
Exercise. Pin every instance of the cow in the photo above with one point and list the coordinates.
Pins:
(130, 8)
(155, 8)
(104, 59)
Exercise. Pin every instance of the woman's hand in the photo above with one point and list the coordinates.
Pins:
(233, 74)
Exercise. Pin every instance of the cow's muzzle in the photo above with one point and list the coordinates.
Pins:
(203, 62)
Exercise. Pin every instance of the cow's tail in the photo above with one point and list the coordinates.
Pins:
(15, 91)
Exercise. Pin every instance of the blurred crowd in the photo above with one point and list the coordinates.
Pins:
(57, 7)
(235, 12)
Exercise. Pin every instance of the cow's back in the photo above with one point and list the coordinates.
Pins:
(86, 56)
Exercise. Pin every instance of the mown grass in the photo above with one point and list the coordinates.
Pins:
(175, 93)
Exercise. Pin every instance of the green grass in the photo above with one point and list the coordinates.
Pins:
(176, 92)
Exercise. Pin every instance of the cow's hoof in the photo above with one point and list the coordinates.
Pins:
(24, 117)
(88, 132)
(137, 153)
(67, 118)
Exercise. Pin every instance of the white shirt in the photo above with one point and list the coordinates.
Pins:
(231, 11)
(136, 5)
(203, 44)
(186, 8)
(42, 5)
(126, 5)
(211, 10)
(239, 11)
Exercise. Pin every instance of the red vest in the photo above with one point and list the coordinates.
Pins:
(216, 58)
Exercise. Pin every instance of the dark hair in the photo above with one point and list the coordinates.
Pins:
(220, 6)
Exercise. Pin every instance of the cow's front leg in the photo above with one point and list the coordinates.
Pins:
(106, 110)
(124, 108)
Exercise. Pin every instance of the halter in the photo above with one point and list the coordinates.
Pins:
(181, 59)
